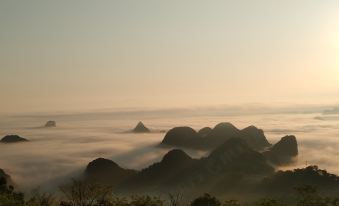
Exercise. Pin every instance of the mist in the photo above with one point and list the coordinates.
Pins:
(55, 155)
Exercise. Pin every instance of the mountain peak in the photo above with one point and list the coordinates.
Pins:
(224, 129)
(106, 171)
(219, 134)
(180, 136)
(236, 155)
(251, 128)
(286, 146)
(101, 164)
(141, 128)
(283, 151)
(203, 132)
(13, 139)
(176, 156)
(225, 125)
(254, 137)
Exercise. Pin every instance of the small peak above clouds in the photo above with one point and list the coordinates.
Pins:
(141, 128)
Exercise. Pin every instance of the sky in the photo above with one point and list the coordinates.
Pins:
(71, 55)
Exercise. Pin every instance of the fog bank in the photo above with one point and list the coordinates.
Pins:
(54, 155)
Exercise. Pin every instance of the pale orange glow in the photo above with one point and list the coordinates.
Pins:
(169, 54)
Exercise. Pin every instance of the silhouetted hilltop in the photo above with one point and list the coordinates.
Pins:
(236, 155)
(284, 151)
(232, 167)
(235, 164)
(209, 139)
(107, 172)
(224, 129)
(286, 181)
(227, 168)
(3, 178)
(161, 174)
(50, 124)
(205, 131)
(182, 137)
(175, 157)
(141, 128)
(13, 139)
(234, 159)
(254, 137)
(206, 138)
(220, 133)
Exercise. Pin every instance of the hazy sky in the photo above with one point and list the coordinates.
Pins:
(62, 55)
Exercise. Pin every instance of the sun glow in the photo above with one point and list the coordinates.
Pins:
(336, 49)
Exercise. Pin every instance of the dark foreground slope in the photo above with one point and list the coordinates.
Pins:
(179, 172)
(285, 182)
(3, 177)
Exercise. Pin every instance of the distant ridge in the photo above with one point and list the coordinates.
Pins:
(286, 181)
(209, 139)
(50, 124)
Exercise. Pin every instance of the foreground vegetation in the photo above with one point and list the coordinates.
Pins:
(79, 193)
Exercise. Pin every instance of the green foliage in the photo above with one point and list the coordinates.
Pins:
(231, 203)
(133, 201)
(9, 200)
(268, 202)
(175, 199)
(206, 200)
(310, 197)
(80, 193)
(41, 199)
(114, 201)
(284, 181)
(145, 201)
(8, 197)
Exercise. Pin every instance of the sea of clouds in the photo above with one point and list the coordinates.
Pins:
(54, 155)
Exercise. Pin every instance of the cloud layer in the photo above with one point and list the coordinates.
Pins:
(56, 154)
